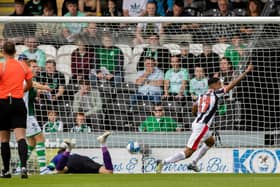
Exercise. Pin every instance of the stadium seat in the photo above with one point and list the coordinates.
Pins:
(20, 49)
(210, 12)
(127, 52)
(50, 51)
(63, 60)
(129, 67)
(174, 49)
(196, 49)
(220, 49)
(240, 12)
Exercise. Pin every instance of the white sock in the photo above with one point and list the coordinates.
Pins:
(201, 152)
(175, 158)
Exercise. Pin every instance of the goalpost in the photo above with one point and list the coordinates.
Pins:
(246, 125)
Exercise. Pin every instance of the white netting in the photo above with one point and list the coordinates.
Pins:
(247, 117)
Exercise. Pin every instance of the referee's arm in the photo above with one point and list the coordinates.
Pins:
(28, 85)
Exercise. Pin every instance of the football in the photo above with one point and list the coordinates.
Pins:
(133, 147)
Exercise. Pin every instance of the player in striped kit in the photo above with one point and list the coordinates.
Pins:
(205, 109)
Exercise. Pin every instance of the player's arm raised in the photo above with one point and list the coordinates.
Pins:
(233, 83)
(194, 109)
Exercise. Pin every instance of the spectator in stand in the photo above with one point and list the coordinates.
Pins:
(176, 80)
(81, 60)
(80, 125)
(178, 9)
(33, 52)
(35, 7)
(188, 59)
(112, 9)
(226, 71)
(91, 36)
(144, 29)
(198, 84)
(89, 102)
(134, 8)
(174, 31)
(235, 51)
(254, 8)
(220, 32)
(158, 122)
(16, 31)
(90, 7)
(48, 33)
(55, 80)
(224, 9)
(53, 124)
(71, 30)
(155, 51)
(193, 7)
(163, 6)
(149, 82)
(208, 60)
(109, 61)
(20, 9)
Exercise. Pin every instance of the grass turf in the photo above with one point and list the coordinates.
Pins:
(147, 180)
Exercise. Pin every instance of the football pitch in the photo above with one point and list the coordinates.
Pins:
(146, 180)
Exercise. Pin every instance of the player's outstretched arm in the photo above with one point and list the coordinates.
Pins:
(233, 83)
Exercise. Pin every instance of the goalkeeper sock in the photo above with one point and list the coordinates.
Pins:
(22, 151)
(201, 152)
(6, 155)
(62, 161)
(107, 158)
(41, 154)
(175, 158)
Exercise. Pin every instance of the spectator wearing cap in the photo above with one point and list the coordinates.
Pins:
(23, 58)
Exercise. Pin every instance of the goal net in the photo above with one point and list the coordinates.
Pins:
(95, 68)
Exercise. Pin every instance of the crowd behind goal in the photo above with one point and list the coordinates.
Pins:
(95, 71)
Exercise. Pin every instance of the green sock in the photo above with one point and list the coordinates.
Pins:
(29, 152)
(41, 154)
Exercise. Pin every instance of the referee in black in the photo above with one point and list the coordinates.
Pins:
(15, 78)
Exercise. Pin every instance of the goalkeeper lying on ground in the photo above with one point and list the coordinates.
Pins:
(63, 162)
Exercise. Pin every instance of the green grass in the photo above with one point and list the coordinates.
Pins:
(147, 180)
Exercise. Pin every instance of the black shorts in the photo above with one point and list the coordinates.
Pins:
(82, 164)
(12, 114)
